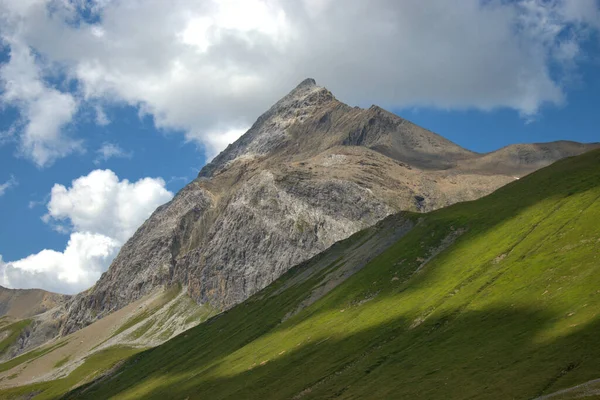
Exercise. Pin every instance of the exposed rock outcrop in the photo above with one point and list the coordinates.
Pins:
(309, 172)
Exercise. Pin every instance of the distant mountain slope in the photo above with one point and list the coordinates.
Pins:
(25, 303)
(27, 319)
(309, 172)
(71, 360)
(523, 158)
(496, 298)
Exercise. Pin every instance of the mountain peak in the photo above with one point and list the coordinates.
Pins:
(308, 88)
(269, 132)
(307, 83)
(309, 172)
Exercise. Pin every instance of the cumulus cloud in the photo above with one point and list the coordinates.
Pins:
(108, 151)
(208, 68)
(11, 182)
(582, 11)
(101, 203)
(216, 141)
(100, 212)
(44, 111)
(78, 267)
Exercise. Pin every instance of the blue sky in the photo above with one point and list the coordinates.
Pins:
(577, 119)
(150, 152)
(105, 117)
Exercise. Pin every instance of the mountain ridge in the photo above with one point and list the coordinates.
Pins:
(308, 94)
(25, 303)
(320, 196)
(309, 172)
(494, 298)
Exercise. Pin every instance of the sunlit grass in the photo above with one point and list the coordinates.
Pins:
(508, 310)
(92, 367)
(12, 332)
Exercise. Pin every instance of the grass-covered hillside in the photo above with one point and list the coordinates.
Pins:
(508, 308)
(63, 363)
(496, 298)
(10, 331)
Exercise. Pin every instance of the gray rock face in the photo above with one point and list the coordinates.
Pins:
(269, 132)
(310, 171)
(145, 261)
(270, 224)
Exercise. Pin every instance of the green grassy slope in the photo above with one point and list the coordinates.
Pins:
(153, 320)
(509, 309)
(10, 332)
(95, 365)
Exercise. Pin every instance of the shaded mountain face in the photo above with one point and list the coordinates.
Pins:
(311, 171)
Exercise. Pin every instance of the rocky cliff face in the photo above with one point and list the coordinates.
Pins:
(309, 172)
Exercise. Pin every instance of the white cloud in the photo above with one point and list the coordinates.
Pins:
(209, 67)
(100, 203)
(100, 212)
(44, 111)
(11, 182)
(108, 151)
(582, 11)
(86, 256)
(216, 141)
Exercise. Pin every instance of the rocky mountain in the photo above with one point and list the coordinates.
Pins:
(305, 204)
(26, 303)
(311, 171)
(520, 159)
(491, 299)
